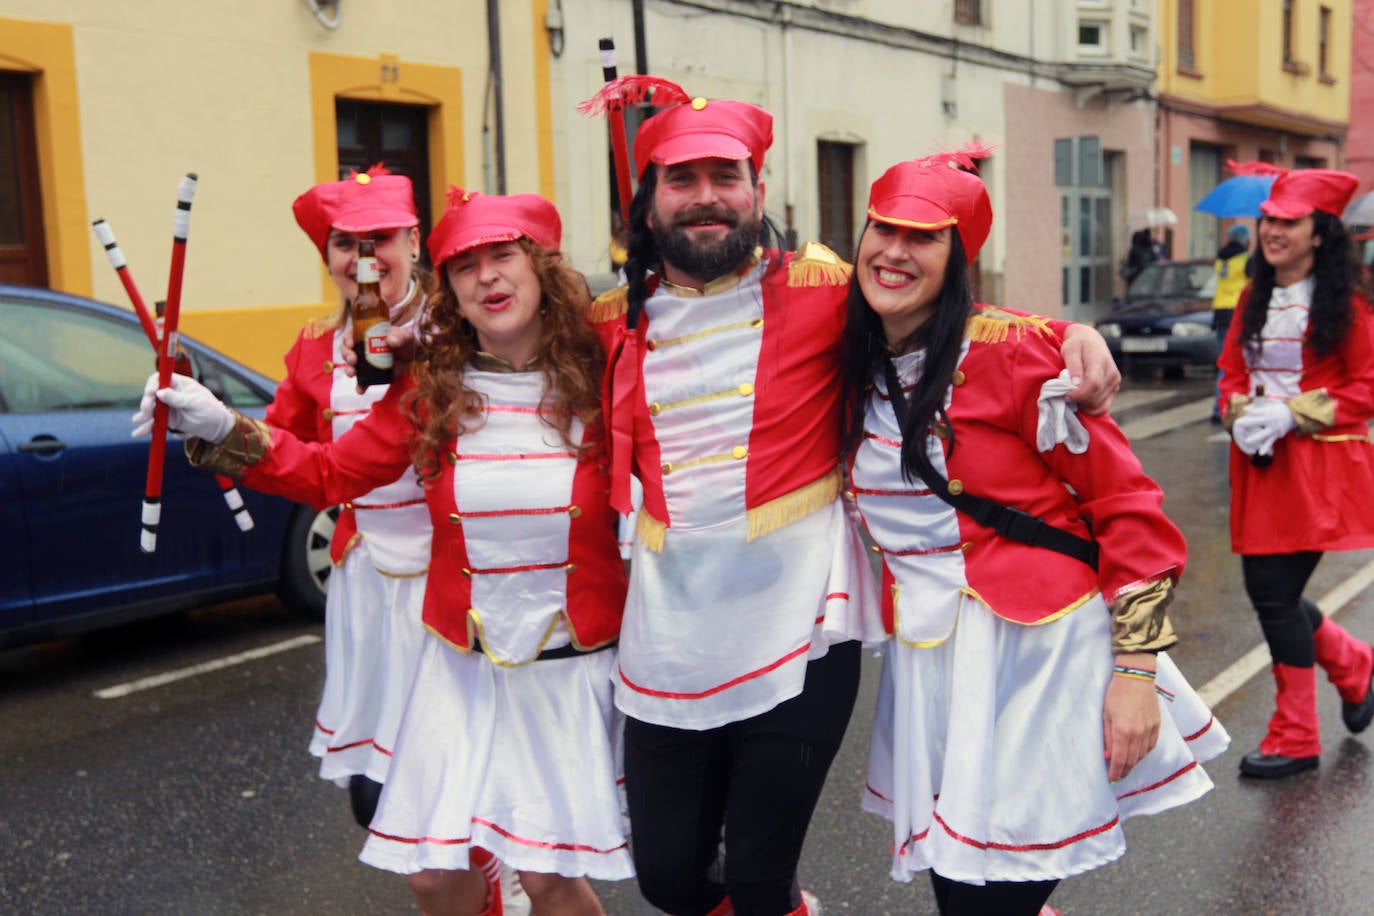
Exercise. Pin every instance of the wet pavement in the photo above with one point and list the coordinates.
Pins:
(199, 797)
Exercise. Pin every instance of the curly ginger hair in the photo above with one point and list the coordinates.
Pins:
(570, 357)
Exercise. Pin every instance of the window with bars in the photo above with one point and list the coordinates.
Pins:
(1324, 42)
(1288, 31)
(1186, 58)
(968, 12)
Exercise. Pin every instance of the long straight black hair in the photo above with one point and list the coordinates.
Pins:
(865, 347)
(1334, 272)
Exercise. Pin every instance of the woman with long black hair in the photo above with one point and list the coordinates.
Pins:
(1297, 392)
(1026, 706)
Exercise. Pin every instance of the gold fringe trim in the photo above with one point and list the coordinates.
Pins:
(817, 265)
(793, 506)
(1347, 437)
(1314, 410)
(649, 531)
(994, 326)
(609, 305)
(348, 548)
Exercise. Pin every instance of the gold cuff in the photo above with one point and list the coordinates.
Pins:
(1314, 410)
(247, 442)
(1234, 408)
(1139, 623)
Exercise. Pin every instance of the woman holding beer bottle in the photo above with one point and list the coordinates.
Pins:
(509, 738)
(381, 539)
(1297, 391)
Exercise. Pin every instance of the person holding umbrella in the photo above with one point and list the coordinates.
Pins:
(1297, 392)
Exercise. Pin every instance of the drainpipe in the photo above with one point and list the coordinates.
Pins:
(495, 94)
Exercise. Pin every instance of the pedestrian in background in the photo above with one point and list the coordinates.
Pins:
(1026, 706)
(1143, 252)
(1232, 269)
(1297, 391)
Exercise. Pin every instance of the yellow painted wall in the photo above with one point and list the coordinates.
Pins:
(243, 94)
(1238, 47)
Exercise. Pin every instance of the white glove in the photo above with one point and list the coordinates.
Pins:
(194, 411)
(1058, 420)
(1261, 425)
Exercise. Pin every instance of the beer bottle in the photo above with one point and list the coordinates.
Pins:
(1258, 460)
(181, 361)
(371, 321)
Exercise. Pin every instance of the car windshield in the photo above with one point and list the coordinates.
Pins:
(1173, 280)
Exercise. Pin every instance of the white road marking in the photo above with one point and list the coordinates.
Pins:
(1138, 397)
(1257, 659)
(1167, 420)
(169, 677)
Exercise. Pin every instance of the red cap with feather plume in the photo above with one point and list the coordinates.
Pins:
(689, 128)
(373, 200)
(937, 191)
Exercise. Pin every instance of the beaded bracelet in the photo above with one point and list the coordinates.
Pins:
(1140, 674)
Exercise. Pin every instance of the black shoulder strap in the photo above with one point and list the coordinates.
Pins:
(1008, 521)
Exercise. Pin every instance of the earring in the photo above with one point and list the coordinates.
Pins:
(415, 257)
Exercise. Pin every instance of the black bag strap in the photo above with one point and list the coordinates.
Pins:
(1008, 521)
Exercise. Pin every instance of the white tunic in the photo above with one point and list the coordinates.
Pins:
(719, 627)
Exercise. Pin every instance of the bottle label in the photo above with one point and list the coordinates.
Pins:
(367, 270)
(377, 353)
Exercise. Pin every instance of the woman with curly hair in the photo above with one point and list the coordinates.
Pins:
(1297, 391)
(508, 741)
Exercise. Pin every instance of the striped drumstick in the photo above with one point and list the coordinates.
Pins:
(152, 494)
(620, 152)
(104, 233)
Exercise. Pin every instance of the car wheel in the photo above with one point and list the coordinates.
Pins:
(305, 561)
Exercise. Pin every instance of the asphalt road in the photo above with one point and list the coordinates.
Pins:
(198, 796)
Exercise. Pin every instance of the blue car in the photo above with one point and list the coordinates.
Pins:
(71, 483)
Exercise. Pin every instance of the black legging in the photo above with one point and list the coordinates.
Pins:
(1274, 583)
(1002, 898)
(363, 794)
(759, 779)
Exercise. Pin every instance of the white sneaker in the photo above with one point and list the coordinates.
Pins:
(811, 903)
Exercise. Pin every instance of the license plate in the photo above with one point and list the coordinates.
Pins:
(1144, 345)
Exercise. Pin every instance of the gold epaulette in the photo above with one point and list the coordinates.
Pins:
(816, 265)
(319, 327)
(609, 305)
(992, 325)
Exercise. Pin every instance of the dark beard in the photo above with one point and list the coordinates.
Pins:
(707, 259)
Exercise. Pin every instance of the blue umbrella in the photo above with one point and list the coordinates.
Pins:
(1239, 195)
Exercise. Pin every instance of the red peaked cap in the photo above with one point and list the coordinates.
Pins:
(474, 219)
(934, 192)
(702, 129)
(374, 200)
(1297, 192)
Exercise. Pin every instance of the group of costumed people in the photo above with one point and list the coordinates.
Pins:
(772, 404)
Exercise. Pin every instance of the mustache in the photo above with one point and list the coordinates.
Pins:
(709, 214)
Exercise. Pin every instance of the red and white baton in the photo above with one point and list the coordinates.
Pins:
(157, 455)
(104, 233)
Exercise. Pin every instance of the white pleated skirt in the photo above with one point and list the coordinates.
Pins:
(523, 762)
(372, 640)
(987, 750)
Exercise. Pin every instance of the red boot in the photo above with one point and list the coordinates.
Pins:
(1293, 741)
(1349, 664)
